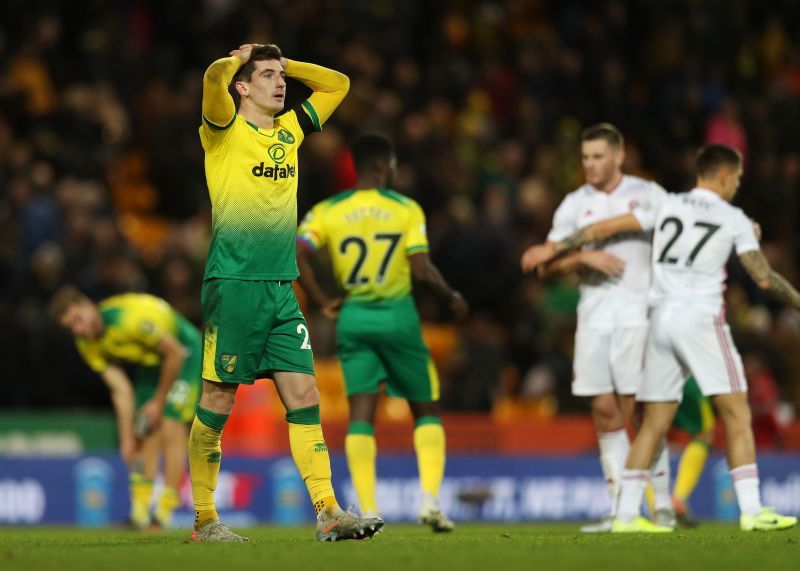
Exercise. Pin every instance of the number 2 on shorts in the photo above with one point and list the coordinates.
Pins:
(303, 330)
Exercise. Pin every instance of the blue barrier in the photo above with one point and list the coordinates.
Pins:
(93, 490)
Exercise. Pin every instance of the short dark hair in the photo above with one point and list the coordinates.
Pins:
(245, 73)
(713, 157)
(369, 149)
(65, 297)
(606, 132)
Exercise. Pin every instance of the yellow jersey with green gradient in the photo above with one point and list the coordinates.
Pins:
(135, 323)
(252, 173)
(369, 235)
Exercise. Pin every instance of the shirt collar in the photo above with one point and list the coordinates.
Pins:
(706, 192)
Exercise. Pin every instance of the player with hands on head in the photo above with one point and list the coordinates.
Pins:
(253, 326)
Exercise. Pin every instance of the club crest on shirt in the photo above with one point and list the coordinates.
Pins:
(633, 204)
(228, 363)
(285, 136)
(277, 153)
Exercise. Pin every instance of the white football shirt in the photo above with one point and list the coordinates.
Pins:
(607, 303)
(693, 236)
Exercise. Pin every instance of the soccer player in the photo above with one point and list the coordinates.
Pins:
(377, 242)
(612, 312)
(153, 411)
(694, 234)
(253, 325)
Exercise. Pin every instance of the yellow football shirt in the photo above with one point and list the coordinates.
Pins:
(369, 235)
(252, 173)
(134, 323)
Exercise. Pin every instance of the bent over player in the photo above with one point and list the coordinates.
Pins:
(694, 234)
(253, 325)
(166, 349)
(377, 242)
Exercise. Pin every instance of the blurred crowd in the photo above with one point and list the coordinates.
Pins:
(101, 170)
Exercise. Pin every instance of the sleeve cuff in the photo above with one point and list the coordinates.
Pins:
(216, 127)
(312, 114)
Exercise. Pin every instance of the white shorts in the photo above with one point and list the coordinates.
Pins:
(686, 340)
(608, 361)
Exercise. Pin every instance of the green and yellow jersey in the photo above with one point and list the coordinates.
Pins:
(252, 173)
(369, 235)
(135, 323)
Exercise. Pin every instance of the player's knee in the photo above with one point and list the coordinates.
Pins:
(174, 431)
(734, 411)
(217, 397)
(607, 414)
(658, 425)
(307, 396)
(737, 420)
(421, 409)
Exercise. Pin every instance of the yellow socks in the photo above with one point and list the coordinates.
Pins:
(690, 468)
(429, 443)
(167, 504)
(361, 452)
(205, 455)
(141, 491)
(311, 457)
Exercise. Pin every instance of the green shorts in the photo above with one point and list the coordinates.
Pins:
(184, 395)
(253, 329)
(695, 413)
(382, 341)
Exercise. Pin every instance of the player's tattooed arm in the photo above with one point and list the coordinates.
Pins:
(768, 279)
(598, 232)
(591, 261)
(537, 255)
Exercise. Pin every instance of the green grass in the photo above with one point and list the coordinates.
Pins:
(403, 547)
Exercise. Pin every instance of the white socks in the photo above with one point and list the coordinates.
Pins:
(746, 484)
(614, 448)
(631, 492)
(659, 478)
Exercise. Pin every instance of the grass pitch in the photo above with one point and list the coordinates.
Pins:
(403, 547)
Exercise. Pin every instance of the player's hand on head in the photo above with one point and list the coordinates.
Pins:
(459, 306)
(332, 308)
(604, 262)
(244, 52)
(537, 255)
